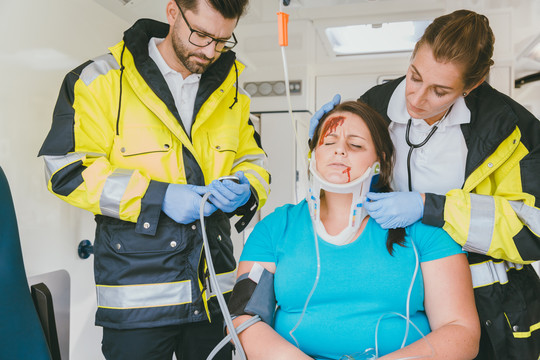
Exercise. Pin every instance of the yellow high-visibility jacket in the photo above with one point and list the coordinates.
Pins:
(116, 142)
(495, 216)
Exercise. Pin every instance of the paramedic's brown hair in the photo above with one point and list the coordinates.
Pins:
(463, 37)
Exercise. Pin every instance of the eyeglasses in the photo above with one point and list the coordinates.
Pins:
(201, 39)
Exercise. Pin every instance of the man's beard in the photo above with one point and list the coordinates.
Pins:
(187, 58)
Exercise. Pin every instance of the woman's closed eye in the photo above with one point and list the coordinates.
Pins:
(439, 93)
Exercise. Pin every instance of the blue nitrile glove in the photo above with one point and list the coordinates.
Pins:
(395, 209)
(182, 203)
(227, 195)
(320, 113)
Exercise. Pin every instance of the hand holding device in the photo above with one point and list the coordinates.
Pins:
(320, 113)
(395, 209)
(182, 202)
(230, 192)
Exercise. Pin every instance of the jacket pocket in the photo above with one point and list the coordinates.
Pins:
(145, 140)
(123, 256)
(220, 156)
(123, 239)
(223, 141)
(522, 302)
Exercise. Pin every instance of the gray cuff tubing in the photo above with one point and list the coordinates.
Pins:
(251, 298)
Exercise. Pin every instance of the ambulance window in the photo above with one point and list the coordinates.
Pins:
(375, 38)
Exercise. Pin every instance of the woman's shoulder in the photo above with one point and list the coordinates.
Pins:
(420, 231)
(288, 209)
(420, 227)
(272, 232)
(287, 212)
(433, 242)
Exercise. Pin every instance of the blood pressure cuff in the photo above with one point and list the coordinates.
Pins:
(253, 294)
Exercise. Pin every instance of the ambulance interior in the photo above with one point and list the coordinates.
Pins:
(45, 39)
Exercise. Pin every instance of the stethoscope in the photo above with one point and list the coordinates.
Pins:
(413, 146)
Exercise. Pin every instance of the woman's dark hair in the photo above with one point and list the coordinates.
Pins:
(384, 149)
(463, 37)
(230, 9)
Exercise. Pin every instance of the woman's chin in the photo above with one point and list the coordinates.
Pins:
(337, 179)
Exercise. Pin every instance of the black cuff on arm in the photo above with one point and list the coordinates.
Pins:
(247, 211)
(434, 210)
(151, 203)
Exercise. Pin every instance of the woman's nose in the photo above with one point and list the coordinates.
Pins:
(418, 97)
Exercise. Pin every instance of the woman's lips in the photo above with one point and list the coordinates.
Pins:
(415, 109)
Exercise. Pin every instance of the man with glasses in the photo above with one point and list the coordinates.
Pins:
(138, 136)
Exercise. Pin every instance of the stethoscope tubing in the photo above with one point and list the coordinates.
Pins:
(413, 146)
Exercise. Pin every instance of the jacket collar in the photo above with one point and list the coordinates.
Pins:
(492, 121)
(136, 40)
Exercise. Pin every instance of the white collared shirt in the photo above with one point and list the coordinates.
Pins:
(439, 165)
(183, 90)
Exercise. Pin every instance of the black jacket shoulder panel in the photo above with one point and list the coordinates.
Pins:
(494, 116)
(379, 96)
(212, 78)
(61, 139)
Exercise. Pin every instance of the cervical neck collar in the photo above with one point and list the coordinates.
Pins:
(358, 188)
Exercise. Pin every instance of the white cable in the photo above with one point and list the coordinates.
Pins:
(409, 293)
(304, 166)
(301, 154)
(233, 333)
(407, 318)
(312, 289)
(255, 319)
(215, 285)
(417, 329)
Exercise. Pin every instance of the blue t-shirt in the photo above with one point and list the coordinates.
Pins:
(359, 282)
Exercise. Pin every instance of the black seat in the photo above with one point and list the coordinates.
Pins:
(21, 333)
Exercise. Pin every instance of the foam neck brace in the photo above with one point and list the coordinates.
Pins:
(358, 188)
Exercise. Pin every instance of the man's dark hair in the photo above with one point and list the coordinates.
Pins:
(230, 9)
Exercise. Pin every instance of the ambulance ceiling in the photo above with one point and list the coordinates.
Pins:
(265, 10)
(343, 12)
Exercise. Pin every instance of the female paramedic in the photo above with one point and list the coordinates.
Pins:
(342, 283)
(468, 160)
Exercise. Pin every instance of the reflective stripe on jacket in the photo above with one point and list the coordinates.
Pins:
(116, 142)
(495, 216)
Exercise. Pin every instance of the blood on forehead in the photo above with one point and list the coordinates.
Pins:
(330, 126)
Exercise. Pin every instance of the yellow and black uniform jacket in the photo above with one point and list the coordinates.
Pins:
(495, 216)
(115, 144)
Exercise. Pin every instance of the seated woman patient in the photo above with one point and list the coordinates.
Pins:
(342, 284)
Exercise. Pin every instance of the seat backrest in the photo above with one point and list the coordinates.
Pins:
(21, 334)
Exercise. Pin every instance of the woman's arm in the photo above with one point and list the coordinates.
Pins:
(260, 341)
(450, 307)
